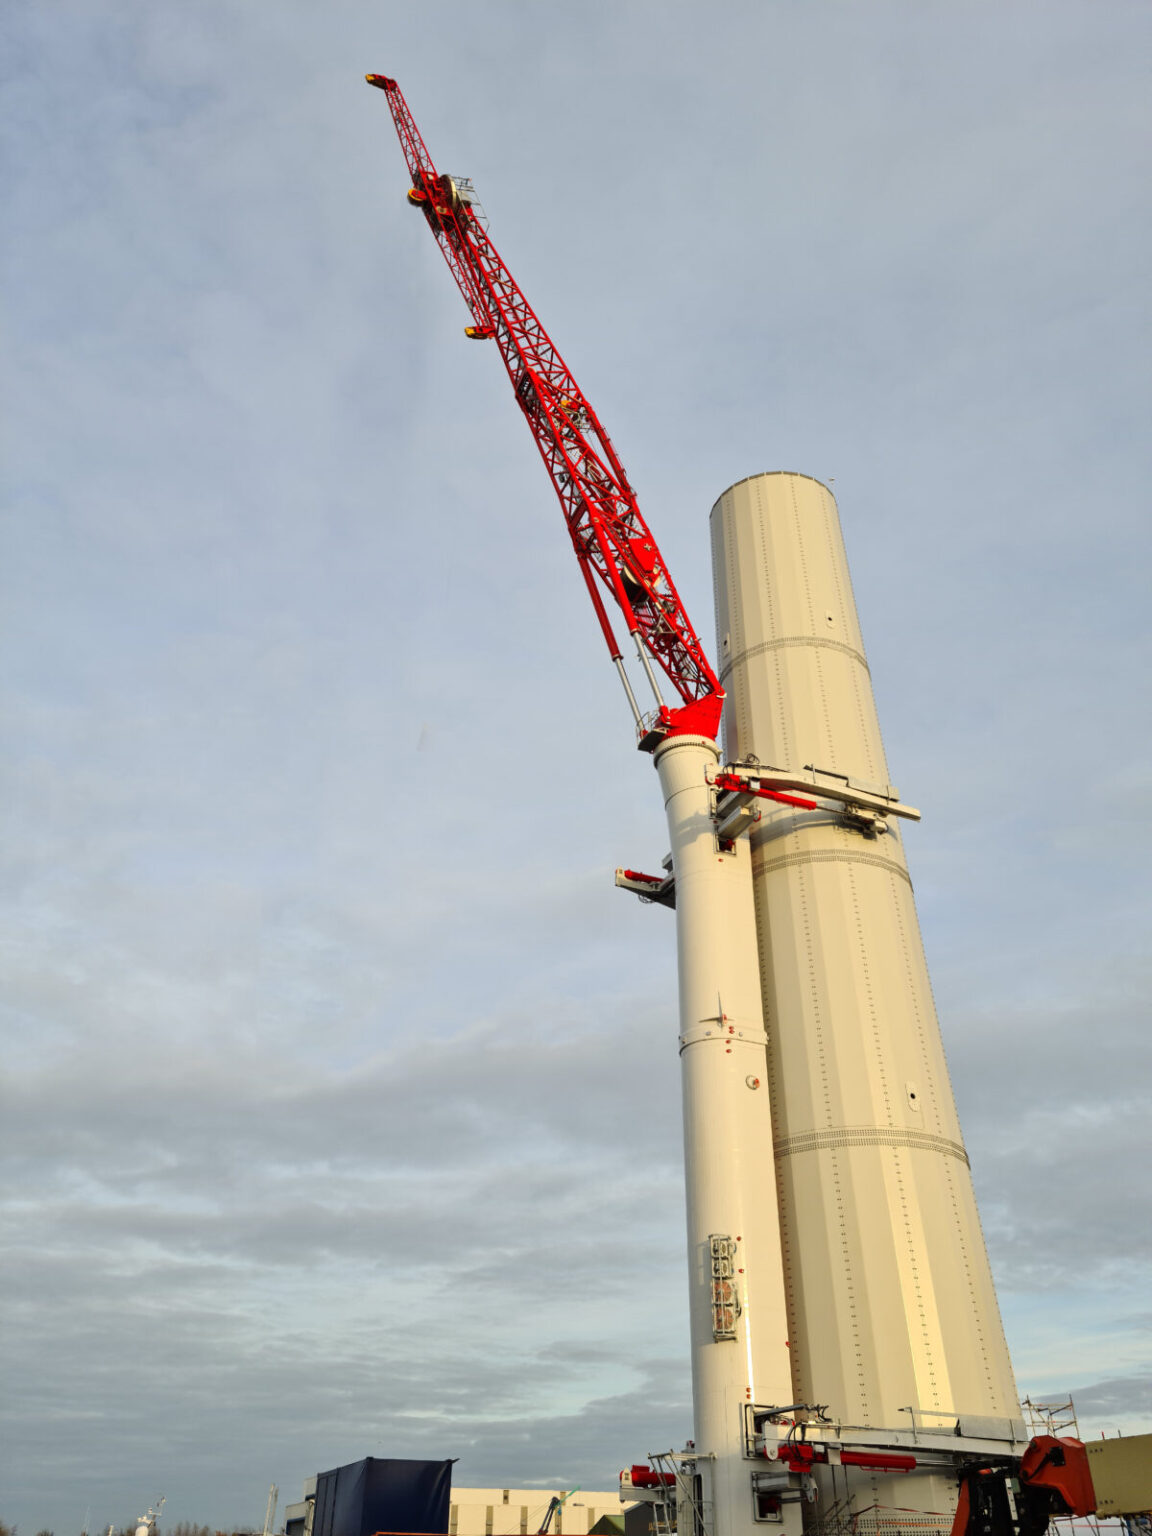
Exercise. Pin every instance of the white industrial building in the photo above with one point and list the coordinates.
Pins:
(522, 1511)
(501, 1512)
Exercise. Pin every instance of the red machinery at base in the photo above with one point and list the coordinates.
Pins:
(1053, 1479)
(1003, 1497)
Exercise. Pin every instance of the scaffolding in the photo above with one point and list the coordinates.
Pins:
(680, 1513)
(1057, 1419)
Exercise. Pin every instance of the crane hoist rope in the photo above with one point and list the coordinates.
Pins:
(614, 545)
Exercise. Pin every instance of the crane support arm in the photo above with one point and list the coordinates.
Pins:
(612, 542)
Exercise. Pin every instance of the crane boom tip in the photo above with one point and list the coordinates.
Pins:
(382, 82)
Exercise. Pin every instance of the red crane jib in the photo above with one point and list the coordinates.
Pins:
(613, 543)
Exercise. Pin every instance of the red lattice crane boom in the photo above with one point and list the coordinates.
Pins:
(612, 541)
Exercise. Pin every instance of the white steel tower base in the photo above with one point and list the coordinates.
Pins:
(738, 1316)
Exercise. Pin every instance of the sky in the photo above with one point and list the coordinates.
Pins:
(341, 1095)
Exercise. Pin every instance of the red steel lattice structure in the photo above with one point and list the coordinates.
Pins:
(613, 543)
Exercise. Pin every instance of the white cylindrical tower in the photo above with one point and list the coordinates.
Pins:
(738, 1316)
(893, 1319)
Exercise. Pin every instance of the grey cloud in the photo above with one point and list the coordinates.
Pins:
(1122, 1395)
(1055, 1149)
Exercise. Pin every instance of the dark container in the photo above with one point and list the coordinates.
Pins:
(378, 1494)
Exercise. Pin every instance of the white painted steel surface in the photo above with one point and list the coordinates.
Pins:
(890, 1298)
(727, 1137)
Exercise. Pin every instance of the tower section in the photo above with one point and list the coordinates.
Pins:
(737, 1310)
(892, 1315)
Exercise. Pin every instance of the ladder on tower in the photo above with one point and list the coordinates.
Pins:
(682, 1514)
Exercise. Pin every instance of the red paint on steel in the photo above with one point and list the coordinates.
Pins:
(1060, 1463)
(645, 1477)
(799, 1454)
(613, 543)
(778, 794)
(763, 790)
(883, 1461)
(963, 1510)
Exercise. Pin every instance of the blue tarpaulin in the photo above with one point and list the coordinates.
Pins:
(378, 1494)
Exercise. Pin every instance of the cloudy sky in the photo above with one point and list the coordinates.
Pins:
(341, 1103)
